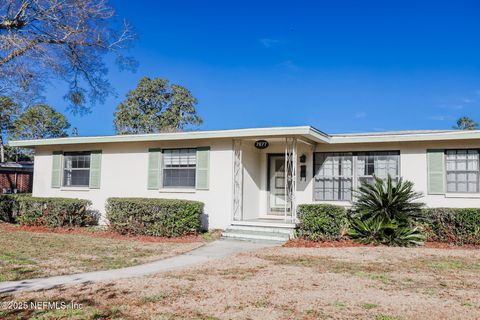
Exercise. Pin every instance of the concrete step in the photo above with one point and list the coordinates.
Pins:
(267, 224)
(261, 228)
(256, 235)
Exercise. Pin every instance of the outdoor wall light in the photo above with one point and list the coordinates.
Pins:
(303, 172)
(303, 158)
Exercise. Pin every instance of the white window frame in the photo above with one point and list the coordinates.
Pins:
(64, 168)
(466, 171)
(334, 177)
(187, 167)
(355, 174)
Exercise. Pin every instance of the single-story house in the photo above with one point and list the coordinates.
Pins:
(16, 177)
(255, 178)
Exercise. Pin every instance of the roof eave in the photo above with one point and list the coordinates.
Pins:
(306, 131)
(460, 135)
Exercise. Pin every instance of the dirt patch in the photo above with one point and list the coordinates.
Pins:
(296, 283)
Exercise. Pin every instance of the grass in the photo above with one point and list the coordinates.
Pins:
(386, 317)
(368, 306)
(25, 255)
(289, 283)
(382, 277)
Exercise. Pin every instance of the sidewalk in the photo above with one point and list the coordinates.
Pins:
(214, 250)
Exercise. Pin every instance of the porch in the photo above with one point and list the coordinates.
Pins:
(270, 175)
(268, 179)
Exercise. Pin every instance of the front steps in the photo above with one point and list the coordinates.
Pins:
(265, 231)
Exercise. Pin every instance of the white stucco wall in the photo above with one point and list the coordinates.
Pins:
(124, 174)
(413, 167)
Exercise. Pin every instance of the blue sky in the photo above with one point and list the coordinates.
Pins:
(341, 66)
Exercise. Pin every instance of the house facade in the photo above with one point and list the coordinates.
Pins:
(257, 176)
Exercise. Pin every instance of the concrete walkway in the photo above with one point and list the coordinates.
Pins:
(213, 250)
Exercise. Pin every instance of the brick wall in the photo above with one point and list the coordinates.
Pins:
(23, 182)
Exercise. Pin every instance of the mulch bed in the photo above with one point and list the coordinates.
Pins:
(302, 243)
(102, 234)
(444, 245)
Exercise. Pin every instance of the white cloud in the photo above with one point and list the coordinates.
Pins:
(440, 118)
(268, 43)
(288, 65)
(452, 107)
(360, 114)
(467, 100)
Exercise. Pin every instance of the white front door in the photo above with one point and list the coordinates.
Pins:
(277, 185)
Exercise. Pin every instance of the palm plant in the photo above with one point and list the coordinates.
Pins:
(387, 213)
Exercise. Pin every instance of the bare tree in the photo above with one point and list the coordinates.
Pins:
(42, 40)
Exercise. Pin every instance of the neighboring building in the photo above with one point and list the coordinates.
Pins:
(257, 177)
(16, 177)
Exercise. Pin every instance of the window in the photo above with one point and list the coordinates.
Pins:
(378, 164)
(179, 168)
(334, 176)
(337, 174)
(76, 169)
(462, 171)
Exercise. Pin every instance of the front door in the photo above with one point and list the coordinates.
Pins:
(277, 185)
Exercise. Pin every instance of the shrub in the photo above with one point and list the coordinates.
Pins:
(6, 208)
(9, 206)
(154, 217)
(453, 225)
(390, 232)
(320, 222)
(385, 213)
(53, 212)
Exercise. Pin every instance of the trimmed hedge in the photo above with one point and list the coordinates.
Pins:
(9, 205)
(48, 212)
(154, 217)
(320, 222)
(53, 212)
(453, 225)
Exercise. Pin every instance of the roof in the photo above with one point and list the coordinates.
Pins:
(306, 132)
(16, 166)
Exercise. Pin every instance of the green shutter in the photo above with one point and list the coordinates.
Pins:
(203, 168)
(57, 159)
(154, 168)
(436, 171)
(95, 169)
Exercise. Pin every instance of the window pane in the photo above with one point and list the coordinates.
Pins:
(462, 187)
(179, 167)
(451, 187)
(378, 164)
(451, 177)
(76, 178)
(76, 171)
(462, 170)
(333, 176)
(179, 177)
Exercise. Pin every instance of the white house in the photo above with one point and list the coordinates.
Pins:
(256, 177)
